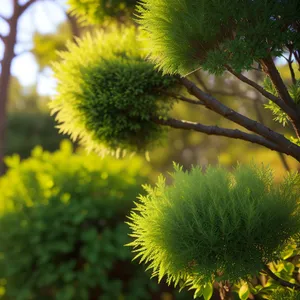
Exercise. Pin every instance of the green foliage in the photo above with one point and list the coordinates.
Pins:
(45, 46)
(215, 225)
(26, 130)
(62, 229)
(294, 91)
(96, 11)
(108, 94)
(279, 115)
(186, 34)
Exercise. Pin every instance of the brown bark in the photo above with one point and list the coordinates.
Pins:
(271, 70)
(284, 145)
(215, 130)
(74, 26)
(9, 43)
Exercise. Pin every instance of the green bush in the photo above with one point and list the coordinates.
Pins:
(108, 94)
(215, 226)
(27, 130)
(62, 228)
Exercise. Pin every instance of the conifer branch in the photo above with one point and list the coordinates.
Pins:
(220, 131)
(271, 70)
(262, 91)
(281, 281)
(254, 126)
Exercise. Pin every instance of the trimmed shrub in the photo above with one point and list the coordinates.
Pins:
(63, 231)
(108, 94)
(215, 225)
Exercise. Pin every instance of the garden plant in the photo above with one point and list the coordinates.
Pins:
(116, 90)
(222, 233)
(62, 220)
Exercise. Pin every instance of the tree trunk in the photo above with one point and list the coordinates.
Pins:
(5, 76)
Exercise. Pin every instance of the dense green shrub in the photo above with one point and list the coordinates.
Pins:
(187, 34)
(27, 130)
(215, 225)
(108, 94)
(62, 228)
(96, 11)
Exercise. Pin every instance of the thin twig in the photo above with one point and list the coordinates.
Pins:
(261, 120)
(25, 6)
(232, 115)
(297, 57)
(290, 63)
(262, 91)
(220, 131)
(4, 18)
(182, 98)
(201, 82)
(270, 69)
(281, 281)
(213, 91)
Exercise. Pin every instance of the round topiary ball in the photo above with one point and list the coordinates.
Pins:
(108, 95)
(214, 225)
(96, 11)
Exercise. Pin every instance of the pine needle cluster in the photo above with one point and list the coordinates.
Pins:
(214, 225)
(187, 34)
(108, 94)
(96, 11)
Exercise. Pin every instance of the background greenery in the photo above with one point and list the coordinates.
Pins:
(63, 233)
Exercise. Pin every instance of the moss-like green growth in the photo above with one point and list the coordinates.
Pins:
(187, 34)
(96, 11)
(214, 225)
(108, 94)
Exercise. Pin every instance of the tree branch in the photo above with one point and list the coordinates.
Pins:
(281, 281)
(220, 92)
(290, 63)
(297, 57)
(25, 6)
(2, 38)
(215, 130)
(4, 18)
(261, 90)
(270, 69)
(256, 127)
(182, 98)
(261, 120)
